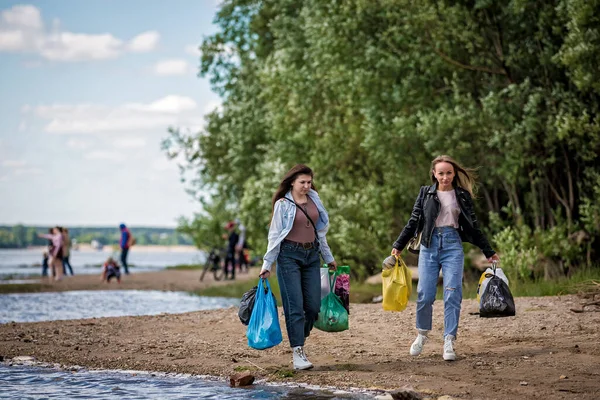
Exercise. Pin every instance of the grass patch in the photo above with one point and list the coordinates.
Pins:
(359, 292)
(284, 373)
(244, 368)
(238, 288)
(574, 284)
(185, 267)
(539, 288)
(364, 292)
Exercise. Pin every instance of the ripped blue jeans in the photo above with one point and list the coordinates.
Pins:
(445, 251)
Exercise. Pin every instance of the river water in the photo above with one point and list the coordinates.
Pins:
(42, 382)
(36, 382)
(20, 263)
(78, 304)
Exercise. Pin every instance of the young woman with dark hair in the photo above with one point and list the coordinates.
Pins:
(297, 235)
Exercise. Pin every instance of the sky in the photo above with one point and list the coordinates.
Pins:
(88, 90)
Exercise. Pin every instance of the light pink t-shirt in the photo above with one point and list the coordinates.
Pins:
(449, 211)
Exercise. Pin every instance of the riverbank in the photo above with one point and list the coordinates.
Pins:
(175, 280)
(87, 248)
(546, 351)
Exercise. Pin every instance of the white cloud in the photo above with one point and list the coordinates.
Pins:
(22, 30)
(130, 142)
(27, 16)
(28, 171)
(193, 50)
(22, 126)
(20, 167)
(169, 104)
(104, 155)
(67, 46)
(77, 144)
(172, 67)
(13, 163)
(129, 117)
(144, 42)
(164, 164)
(212, 105)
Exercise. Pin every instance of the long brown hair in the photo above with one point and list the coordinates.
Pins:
(290, 176)
(464, 177)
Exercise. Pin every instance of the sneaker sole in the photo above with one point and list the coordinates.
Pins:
(303, 368)
(415, 354)
(449, 358)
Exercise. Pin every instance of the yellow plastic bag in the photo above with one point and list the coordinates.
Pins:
(397, 286)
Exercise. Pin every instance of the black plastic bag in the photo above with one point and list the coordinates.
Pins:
(246, 305)
(497, 301)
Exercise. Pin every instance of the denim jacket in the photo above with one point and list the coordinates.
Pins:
(283, 221)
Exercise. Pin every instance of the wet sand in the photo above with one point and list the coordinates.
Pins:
(545, 352)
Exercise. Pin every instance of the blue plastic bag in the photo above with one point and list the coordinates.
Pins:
(263, 330)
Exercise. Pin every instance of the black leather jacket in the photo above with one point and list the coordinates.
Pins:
(426, 211)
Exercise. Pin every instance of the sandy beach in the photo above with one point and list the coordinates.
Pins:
(545, 352)
(174, 280)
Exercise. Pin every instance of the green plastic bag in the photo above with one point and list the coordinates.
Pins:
(333, 316)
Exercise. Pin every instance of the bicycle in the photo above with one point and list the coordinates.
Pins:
(213, 263)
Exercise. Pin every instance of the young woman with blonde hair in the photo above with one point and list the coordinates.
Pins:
(445, 215)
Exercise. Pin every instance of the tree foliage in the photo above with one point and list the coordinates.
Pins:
(368, 92)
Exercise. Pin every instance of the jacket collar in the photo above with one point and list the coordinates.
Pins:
(433, 188)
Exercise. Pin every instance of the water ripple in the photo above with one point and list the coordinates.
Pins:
(27, 382)
(34, 307)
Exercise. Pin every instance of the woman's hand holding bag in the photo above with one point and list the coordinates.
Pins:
(264, 330)
(333, 316)
(397, 286)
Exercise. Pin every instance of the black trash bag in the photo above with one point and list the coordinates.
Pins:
(497, 301)
(247, 305)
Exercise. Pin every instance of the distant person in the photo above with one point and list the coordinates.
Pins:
(240, 248)
(230, 257)
(127, 240)
(56, 254)
(110, 270)
(66, 252)
(50, 250)
(45, 264)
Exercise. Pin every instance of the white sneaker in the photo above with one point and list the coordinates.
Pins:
(449, 354)
(300, 360)
(417, 346)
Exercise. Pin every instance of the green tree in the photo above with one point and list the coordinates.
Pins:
(367, 93)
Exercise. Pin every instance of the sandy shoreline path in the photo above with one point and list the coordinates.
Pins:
(545, 352)
(173, 280)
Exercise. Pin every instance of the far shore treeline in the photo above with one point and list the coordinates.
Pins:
(22, 236)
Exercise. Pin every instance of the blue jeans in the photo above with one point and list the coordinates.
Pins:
(300, 286)
(124, 260)
(446, 252)
(66, 264)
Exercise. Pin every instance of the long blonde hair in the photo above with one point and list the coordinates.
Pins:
(466, 178)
